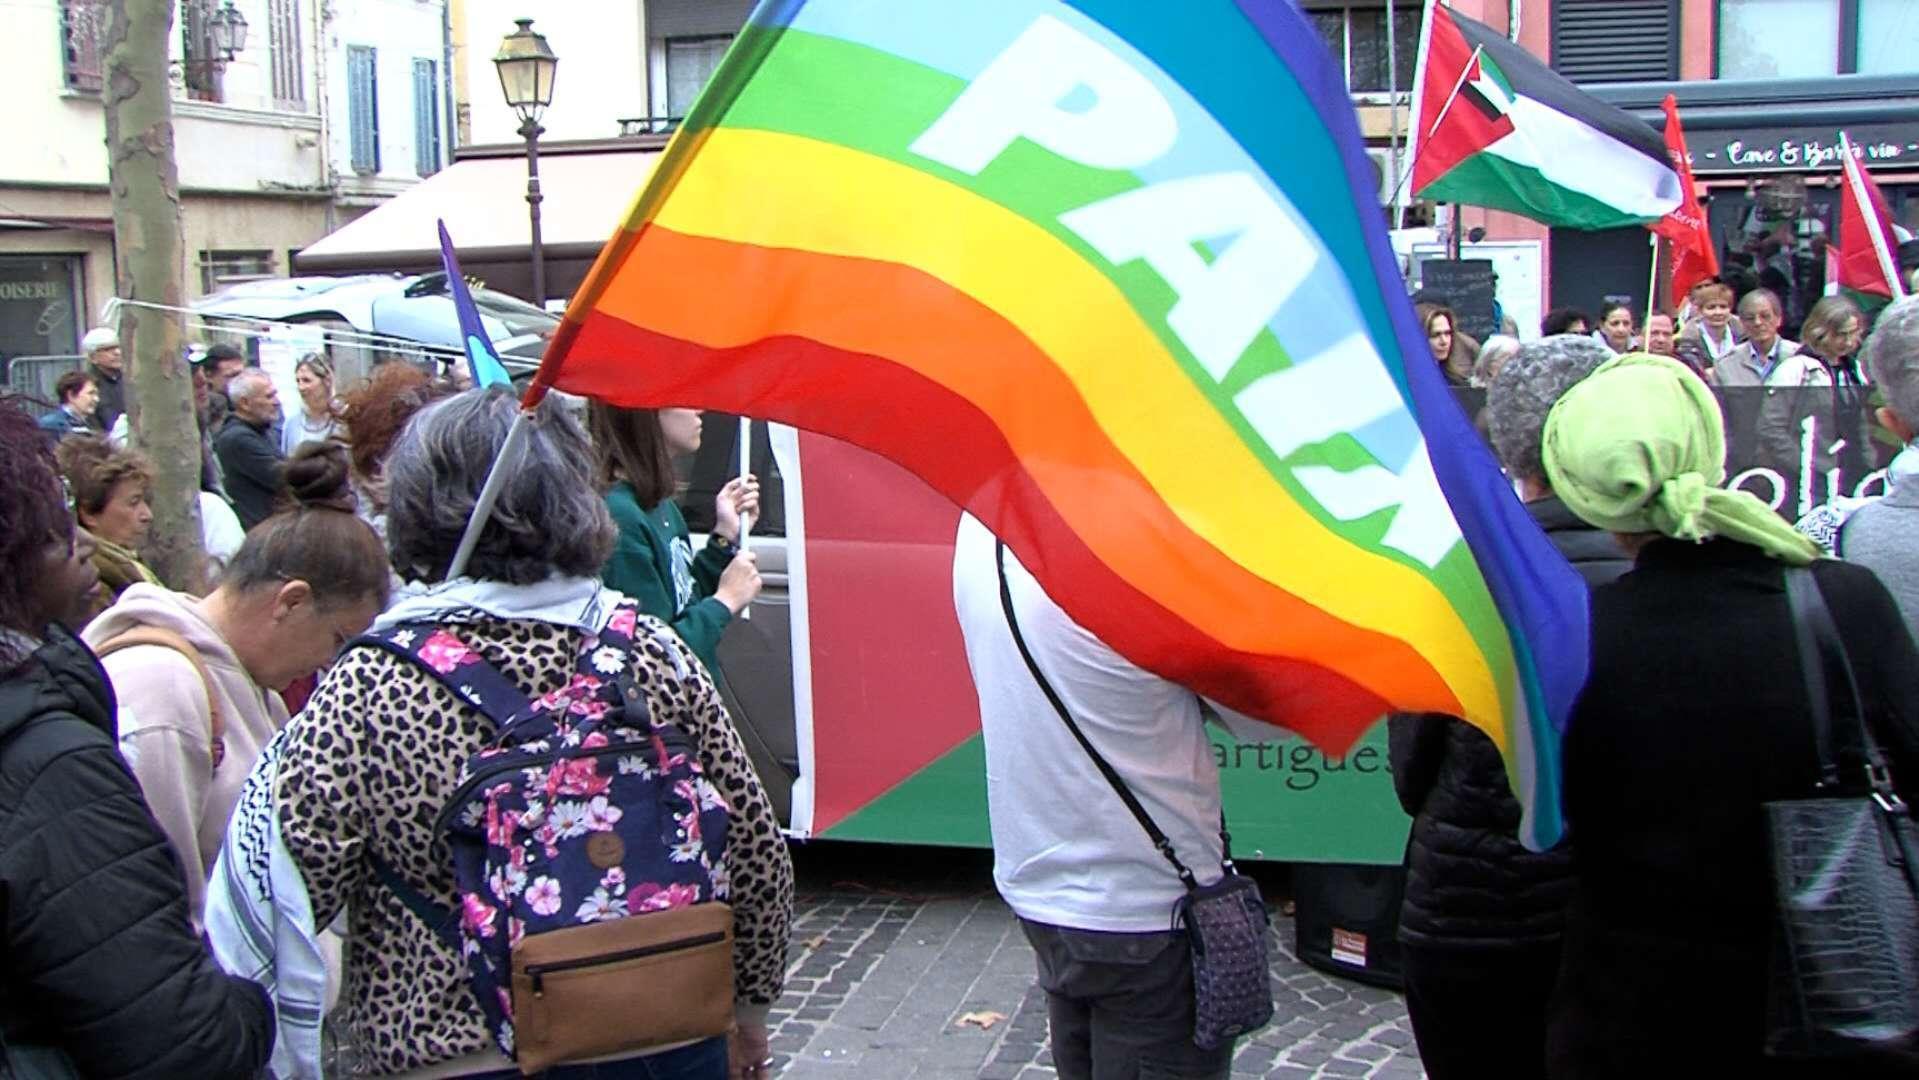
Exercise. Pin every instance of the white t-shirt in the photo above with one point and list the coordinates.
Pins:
(1065, 849)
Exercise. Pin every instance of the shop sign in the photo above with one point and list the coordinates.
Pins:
(1801, 149)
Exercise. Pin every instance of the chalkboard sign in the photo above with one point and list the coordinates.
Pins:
(1467, 286)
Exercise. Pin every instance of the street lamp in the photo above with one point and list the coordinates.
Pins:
(526, 67)
(228, 29)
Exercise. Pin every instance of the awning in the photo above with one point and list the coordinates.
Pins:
(483, 202)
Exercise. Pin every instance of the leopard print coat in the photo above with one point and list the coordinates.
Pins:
(367, 767)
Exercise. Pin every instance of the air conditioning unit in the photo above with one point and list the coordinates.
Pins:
(1382, 159)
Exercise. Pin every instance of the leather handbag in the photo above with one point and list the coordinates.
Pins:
(1225, 923)
(1844, 977)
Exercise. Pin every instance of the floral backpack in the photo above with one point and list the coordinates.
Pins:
(589, 851)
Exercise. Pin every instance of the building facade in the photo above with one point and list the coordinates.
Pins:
(319, 114)
(1764, 89)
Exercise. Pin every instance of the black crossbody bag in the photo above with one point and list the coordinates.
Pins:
(1225, 923)
(1844, 976)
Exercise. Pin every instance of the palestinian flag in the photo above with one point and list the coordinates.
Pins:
(1494, 127)
(1868, 266)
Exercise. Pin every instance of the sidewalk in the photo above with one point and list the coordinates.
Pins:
(898, 984)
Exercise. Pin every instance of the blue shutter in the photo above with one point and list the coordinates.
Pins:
(363, 107)
(426, 118)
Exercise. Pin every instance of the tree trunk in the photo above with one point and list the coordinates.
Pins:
(151, 269)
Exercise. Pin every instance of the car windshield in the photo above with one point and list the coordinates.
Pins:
(519, 316)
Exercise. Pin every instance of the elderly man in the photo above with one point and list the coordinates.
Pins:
(1483, 919)
(105, 367)
(1884, 535)
(1764, 358)
(250, 460)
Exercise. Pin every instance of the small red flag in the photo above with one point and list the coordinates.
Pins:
(1866, 262)
(1694, 259)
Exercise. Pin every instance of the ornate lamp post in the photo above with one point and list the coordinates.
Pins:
(526, 67)
(228, 28)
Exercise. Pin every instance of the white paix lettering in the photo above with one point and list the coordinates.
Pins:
(1423, 526)
(1119, 120)
(1021, 93)
(1222, 307)
(1342, 389)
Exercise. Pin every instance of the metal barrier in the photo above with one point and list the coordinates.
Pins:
(34, 376)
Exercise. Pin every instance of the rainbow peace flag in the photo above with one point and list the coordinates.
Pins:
(1113, 276)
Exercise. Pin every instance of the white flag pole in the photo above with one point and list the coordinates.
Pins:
(1408, 155)
(505, 463)
(1887, 264)
(1652, 285)
(746, 466)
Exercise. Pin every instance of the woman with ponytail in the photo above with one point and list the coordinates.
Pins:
(196, 677)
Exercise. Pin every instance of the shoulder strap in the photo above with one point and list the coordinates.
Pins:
(474, 681)
(1822, 657)
(160, 637)
(1153, 831)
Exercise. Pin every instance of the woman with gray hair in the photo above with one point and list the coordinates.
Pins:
(1483, 918)
(363, 772)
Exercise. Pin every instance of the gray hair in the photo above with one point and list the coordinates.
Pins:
(1748, 302)
(248, 383)
(1494, 352)
(1526, 389)
(550, 518)
(1892, 357)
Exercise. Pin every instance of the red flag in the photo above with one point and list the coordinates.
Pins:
(1693, 257)
(1866, 263)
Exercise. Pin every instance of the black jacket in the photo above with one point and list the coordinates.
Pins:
(99, 958)
(1693, 717)
(1469, 882)
(251, 468)
(113, 396)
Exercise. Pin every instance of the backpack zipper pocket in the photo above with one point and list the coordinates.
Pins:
(537, 972)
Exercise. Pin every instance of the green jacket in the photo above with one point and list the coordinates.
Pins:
(653, 563)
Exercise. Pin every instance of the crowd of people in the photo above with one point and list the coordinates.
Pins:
(1642, 945)
(174, 730)
(269, 768)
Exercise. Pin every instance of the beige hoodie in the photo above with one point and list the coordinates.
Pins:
(165, 724)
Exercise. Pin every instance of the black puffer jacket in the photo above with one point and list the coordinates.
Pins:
(1469, 882)
(99, 958)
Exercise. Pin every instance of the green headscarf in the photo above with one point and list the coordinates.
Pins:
(1639, 446)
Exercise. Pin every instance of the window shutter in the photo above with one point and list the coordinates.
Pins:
(695, 18)
(426, 118)
(363, 113)
(1600, 41)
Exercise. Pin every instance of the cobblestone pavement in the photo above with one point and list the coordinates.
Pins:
(905, 964)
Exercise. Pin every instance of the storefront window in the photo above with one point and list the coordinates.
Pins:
(1775, 39)
(39, 302)
(1888, 37)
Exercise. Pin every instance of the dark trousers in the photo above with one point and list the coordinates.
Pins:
(1480, 1012)
(705, 1060)
(1120, 1006)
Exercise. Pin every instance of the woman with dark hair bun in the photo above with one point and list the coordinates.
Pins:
(103, 974)
(199, 678)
